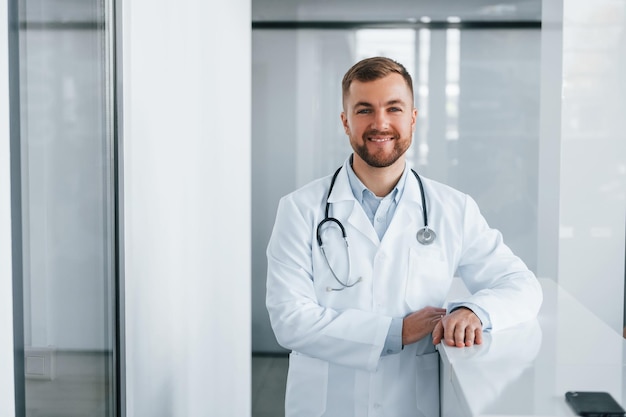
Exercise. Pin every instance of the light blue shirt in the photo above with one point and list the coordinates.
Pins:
(379, 210)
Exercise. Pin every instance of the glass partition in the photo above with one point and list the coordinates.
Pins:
(477, 94)
(68, 200)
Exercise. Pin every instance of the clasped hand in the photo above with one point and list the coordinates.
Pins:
(460, 328)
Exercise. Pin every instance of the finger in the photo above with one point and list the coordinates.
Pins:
(459, 336)
(437, 333)
(470, 335)
(478, 336)
(448, 332)
(437, 317)
(436, 312)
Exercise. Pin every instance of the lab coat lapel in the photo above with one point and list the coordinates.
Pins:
(358, 219)
(346, 208)
(408, 215)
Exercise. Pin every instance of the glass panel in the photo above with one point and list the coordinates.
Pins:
(477, 93)
(68, 202)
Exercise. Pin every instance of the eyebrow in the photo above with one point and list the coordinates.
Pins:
(389, 103)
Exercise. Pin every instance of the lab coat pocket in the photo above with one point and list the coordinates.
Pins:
(428, 278)
(427, 386)
(307, 385)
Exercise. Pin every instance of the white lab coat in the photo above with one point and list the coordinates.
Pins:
(336, 337)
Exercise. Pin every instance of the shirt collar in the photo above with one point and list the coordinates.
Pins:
(359, 189)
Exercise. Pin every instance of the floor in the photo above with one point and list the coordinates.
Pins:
(269, 376)
(81, 387)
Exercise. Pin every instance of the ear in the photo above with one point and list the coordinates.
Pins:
(344, 122)
(413, 120)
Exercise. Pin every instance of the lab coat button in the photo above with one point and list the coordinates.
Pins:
(380, 219)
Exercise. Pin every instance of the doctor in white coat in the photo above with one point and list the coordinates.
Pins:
(362, 320)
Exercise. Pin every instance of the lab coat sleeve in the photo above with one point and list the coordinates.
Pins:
(500, 282)
(350, 337)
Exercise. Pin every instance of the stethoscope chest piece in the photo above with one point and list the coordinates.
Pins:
(426, 236)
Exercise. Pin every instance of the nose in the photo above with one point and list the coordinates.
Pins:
(380, 121)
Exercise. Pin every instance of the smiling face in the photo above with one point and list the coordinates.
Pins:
(379, 118)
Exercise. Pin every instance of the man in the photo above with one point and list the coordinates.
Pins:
(362, 315)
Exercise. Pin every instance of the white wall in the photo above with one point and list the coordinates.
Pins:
(7, 404)
(186, 211)
(590, 186)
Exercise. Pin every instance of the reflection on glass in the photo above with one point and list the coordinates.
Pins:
(501, 369)
(67, 207)
(421, 78)
(453, 75)
(398, 44)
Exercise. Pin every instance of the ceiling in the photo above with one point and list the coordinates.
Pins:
(395, 10)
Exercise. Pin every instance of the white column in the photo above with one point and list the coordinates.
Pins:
(593, 156)
(583, 150)
(549, 139)
(7, 388)
(186, 207)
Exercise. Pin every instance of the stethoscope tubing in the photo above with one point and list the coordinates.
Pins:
(422, 194)
(425, 236)
(343, 230)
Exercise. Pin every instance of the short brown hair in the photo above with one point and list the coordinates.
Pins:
(371, 69)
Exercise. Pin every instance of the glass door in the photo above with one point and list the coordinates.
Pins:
(68, 207)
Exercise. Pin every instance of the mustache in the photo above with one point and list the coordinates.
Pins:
(376, 132)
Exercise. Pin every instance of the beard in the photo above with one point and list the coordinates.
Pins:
(381, 158)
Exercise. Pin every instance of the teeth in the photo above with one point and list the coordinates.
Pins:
(379, 140)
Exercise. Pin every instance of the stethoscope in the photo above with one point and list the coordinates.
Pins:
(425, 235)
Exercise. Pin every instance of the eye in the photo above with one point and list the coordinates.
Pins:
(395, 109)
(363, 111)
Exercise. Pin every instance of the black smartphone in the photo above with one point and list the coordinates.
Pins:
(594, 404)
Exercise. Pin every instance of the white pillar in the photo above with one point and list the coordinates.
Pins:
(583, 148)
(550, 139)
(593, 156)
(7, 388)
(186, 207)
